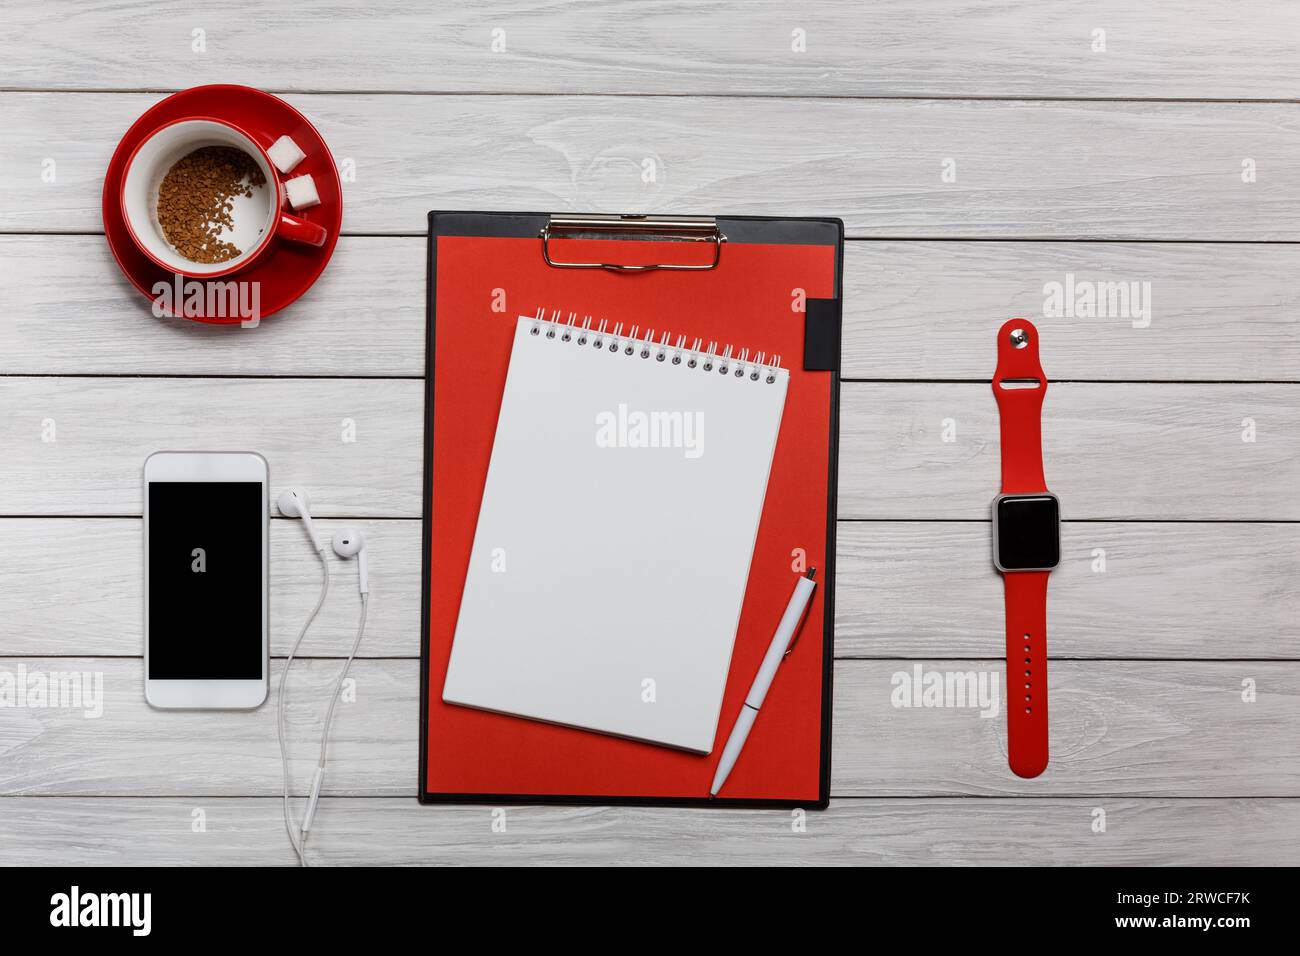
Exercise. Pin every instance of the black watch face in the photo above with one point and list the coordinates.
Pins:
(1027, 532)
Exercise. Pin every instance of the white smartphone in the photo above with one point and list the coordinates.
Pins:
(206, 577)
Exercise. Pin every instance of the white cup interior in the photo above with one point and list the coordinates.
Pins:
(253, 217)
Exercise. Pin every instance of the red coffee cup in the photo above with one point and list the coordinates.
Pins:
(258, 219)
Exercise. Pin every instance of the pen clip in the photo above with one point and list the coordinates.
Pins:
(808, 607)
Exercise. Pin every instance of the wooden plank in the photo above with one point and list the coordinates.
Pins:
(103, 429)
(1185, 590)
(970, 47)
(1131, 451)
(70, 311)
(913, 310)
(133, 749)
(1152, 728)
(905, 589)
(1144, 451)
(927, 310)
(396, 831)
(727, 155)
(78, 589)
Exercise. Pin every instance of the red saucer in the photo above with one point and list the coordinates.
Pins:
(291, 268)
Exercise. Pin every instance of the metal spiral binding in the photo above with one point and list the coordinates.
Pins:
(644, 345)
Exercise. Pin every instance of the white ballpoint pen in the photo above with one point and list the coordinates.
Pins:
(782, 643)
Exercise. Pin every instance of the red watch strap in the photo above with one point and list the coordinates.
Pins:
(1021, 411)
(1026, 602)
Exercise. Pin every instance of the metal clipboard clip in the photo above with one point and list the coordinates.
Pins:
(662, 228)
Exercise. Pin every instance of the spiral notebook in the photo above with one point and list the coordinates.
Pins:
(616, 532)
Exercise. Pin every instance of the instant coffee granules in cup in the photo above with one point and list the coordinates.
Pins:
(196, 201)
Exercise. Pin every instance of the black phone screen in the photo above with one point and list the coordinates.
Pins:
(205, 580)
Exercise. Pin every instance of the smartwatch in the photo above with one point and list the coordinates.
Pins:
(1026, 542)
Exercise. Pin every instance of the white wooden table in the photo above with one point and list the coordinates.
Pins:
(1131, 163)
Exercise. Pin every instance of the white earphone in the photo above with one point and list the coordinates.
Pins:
(293, 503)
(348, 542)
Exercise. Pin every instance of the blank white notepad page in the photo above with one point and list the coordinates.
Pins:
(606, 579)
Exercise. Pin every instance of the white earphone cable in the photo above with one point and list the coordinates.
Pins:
(329, 715)
(284, 674)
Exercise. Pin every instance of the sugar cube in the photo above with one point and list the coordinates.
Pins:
(301, 191)
(286, 154)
